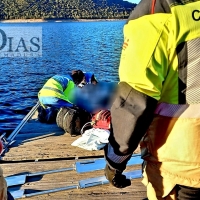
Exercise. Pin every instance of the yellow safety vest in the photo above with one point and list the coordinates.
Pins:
(171, 145)
(53, 88)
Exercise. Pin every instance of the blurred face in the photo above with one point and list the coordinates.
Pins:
(86, 97)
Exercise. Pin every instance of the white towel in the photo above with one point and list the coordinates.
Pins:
(92, 139)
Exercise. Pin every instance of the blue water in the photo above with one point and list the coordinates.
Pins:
(89, 46)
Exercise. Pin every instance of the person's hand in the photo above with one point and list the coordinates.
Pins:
(116, 178)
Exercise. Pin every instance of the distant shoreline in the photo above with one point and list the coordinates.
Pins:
(54, 20)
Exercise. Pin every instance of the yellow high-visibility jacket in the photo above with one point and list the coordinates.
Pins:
(159, 94)
(58, 86)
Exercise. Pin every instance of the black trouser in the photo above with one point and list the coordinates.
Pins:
(187, 193)
(9, 196)
(183, 192)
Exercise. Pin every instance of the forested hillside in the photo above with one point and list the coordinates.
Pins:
(65, 9)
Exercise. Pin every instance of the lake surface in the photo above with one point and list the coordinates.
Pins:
(89, 46)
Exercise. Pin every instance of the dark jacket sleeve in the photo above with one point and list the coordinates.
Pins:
(131, 114)
(144, 8)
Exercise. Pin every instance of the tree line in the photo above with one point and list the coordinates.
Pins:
(65, 9)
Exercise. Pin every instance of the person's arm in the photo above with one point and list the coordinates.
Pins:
(131, 114)
(142, 71)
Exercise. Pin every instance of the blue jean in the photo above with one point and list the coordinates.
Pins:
(54, 102)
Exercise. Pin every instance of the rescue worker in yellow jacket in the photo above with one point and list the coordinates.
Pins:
(56, 91)
(158, 100)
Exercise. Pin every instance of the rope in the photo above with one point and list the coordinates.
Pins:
(153, 6)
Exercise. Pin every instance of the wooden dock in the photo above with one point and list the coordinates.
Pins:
(42, 147)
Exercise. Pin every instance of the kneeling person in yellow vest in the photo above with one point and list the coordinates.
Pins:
(56, 92)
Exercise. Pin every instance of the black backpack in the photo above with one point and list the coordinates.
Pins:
(72, 120)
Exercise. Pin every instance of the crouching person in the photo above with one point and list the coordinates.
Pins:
(57, 93)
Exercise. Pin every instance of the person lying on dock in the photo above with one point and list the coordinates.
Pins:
(93, 98)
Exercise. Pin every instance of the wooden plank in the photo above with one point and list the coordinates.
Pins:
(56, 180)
(46, 148)
(37, 141)
(44, 141)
